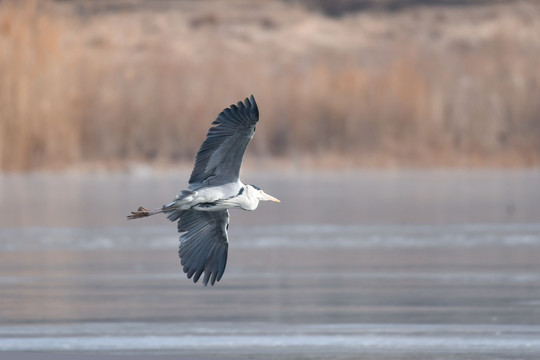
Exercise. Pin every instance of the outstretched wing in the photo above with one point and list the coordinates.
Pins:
(203, 244)
(220, 156)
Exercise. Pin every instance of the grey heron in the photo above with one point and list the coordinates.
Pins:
(202, 211)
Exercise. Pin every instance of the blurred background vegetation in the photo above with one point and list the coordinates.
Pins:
(338, 82)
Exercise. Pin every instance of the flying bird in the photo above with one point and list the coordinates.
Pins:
(202, 211)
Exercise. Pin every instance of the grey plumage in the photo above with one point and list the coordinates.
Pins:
(204, 244)
(214, 187)
(220, 156)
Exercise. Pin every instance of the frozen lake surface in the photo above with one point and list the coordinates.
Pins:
(352, 265)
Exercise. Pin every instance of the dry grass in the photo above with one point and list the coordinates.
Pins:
(37, 125)
(123, 81)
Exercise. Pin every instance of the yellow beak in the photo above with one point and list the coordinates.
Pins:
(270, 198)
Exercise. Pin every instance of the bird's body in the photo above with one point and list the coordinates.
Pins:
(214, 188)
(214, 198)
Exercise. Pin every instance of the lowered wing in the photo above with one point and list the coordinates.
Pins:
(220, 156)
(203, 244)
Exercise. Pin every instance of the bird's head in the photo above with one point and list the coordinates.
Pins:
(259, 194)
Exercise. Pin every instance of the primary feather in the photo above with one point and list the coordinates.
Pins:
(204, 244)
(220, 156)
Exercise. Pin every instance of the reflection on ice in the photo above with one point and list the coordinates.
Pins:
(385, 268)
(235, 338)
(320, 236)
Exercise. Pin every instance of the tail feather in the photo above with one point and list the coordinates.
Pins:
(172, 211)
(174, 215)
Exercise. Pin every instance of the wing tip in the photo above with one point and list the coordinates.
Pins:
(251, 104)
(213, 269)
(195, 275)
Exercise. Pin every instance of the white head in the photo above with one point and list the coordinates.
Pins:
(256, 192)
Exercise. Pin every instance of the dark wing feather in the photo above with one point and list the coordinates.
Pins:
(203, 244)
(220, 156)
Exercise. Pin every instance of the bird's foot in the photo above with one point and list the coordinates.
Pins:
(140, 213)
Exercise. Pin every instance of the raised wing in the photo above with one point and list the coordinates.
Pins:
(220, 156)
(203, 244)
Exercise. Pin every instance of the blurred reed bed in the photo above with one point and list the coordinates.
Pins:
(114, 83)
(37, 123)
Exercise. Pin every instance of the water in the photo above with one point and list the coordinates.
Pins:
(374, 265)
